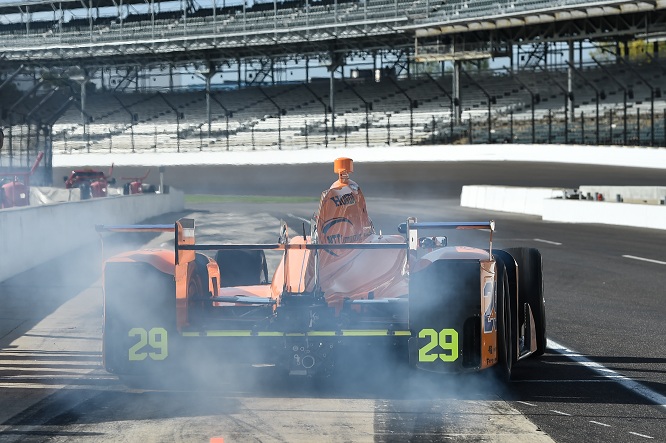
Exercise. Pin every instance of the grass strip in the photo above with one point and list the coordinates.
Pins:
(210, 198)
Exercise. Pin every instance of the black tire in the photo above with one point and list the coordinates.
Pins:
(198, 294)
(530, 290)
(126, 189)
(86, 191)
(148, 189)
(503, 257)
(138, 295)
(504, 342)
(198, 277)
(242, 268)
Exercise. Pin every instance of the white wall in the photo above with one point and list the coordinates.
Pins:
(610, 213)
(33, 235)
(544, 202)
(507, 198)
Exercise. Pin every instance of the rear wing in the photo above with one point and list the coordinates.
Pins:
(185, 247)
(184, 239)
(411, 228)
(184, 243)
(135, 228)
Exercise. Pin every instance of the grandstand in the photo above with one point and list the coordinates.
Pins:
(80, 77)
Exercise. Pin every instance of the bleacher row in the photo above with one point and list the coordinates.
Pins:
(146, 121)
(179, 122)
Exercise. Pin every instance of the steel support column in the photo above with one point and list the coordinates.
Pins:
(456, 92)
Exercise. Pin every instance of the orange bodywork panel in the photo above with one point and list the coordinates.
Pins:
(297, 261)
(161, 259)
(489, 350)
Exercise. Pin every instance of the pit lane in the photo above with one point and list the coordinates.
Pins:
(599, 303)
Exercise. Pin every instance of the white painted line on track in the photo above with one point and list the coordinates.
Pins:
(560, 412)
(608, 379)
(548, 242)
(626, 382)
(305, 220)
(640, 435)
(633, 257)
(526, 403)
(599, 423)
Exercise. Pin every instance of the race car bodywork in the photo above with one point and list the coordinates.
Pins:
(341, 290)
(15, 187)
(91, 183)
(137, 186)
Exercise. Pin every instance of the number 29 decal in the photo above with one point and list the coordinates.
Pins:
(446, 340)
(156, 338)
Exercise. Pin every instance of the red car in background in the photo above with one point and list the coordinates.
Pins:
(92, 183)
(15, 186)
(137, 186)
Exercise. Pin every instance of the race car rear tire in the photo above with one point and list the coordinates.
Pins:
(197, 289)
(142, 344)
(530, 290)
(139, 319)
(504, 341)
(242, 267)
(85, 190)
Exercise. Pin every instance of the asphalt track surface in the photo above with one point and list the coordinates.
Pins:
(601, 303)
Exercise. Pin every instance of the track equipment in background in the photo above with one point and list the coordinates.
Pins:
(341, 295)
(137, 186)
(91, 183)
(15, 186)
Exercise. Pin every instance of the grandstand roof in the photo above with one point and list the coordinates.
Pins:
(264, 31)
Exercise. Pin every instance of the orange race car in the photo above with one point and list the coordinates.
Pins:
(343, 289)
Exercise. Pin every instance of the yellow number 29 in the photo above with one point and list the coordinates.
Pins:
(156, 338)
(446, 339)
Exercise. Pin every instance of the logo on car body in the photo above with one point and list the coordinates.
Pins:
(489, 315)
(346, 199)
(338, 238)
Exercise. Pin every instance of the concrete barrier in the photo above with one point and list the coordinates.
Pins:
(508, 198)
(544, 202)
(33, 235)
(621, 214)
(44, 195)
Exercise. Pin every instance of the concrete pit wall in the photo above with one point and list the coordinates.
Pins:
(34, 235)
(507, 198)
(607, 213)
(551, 206)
